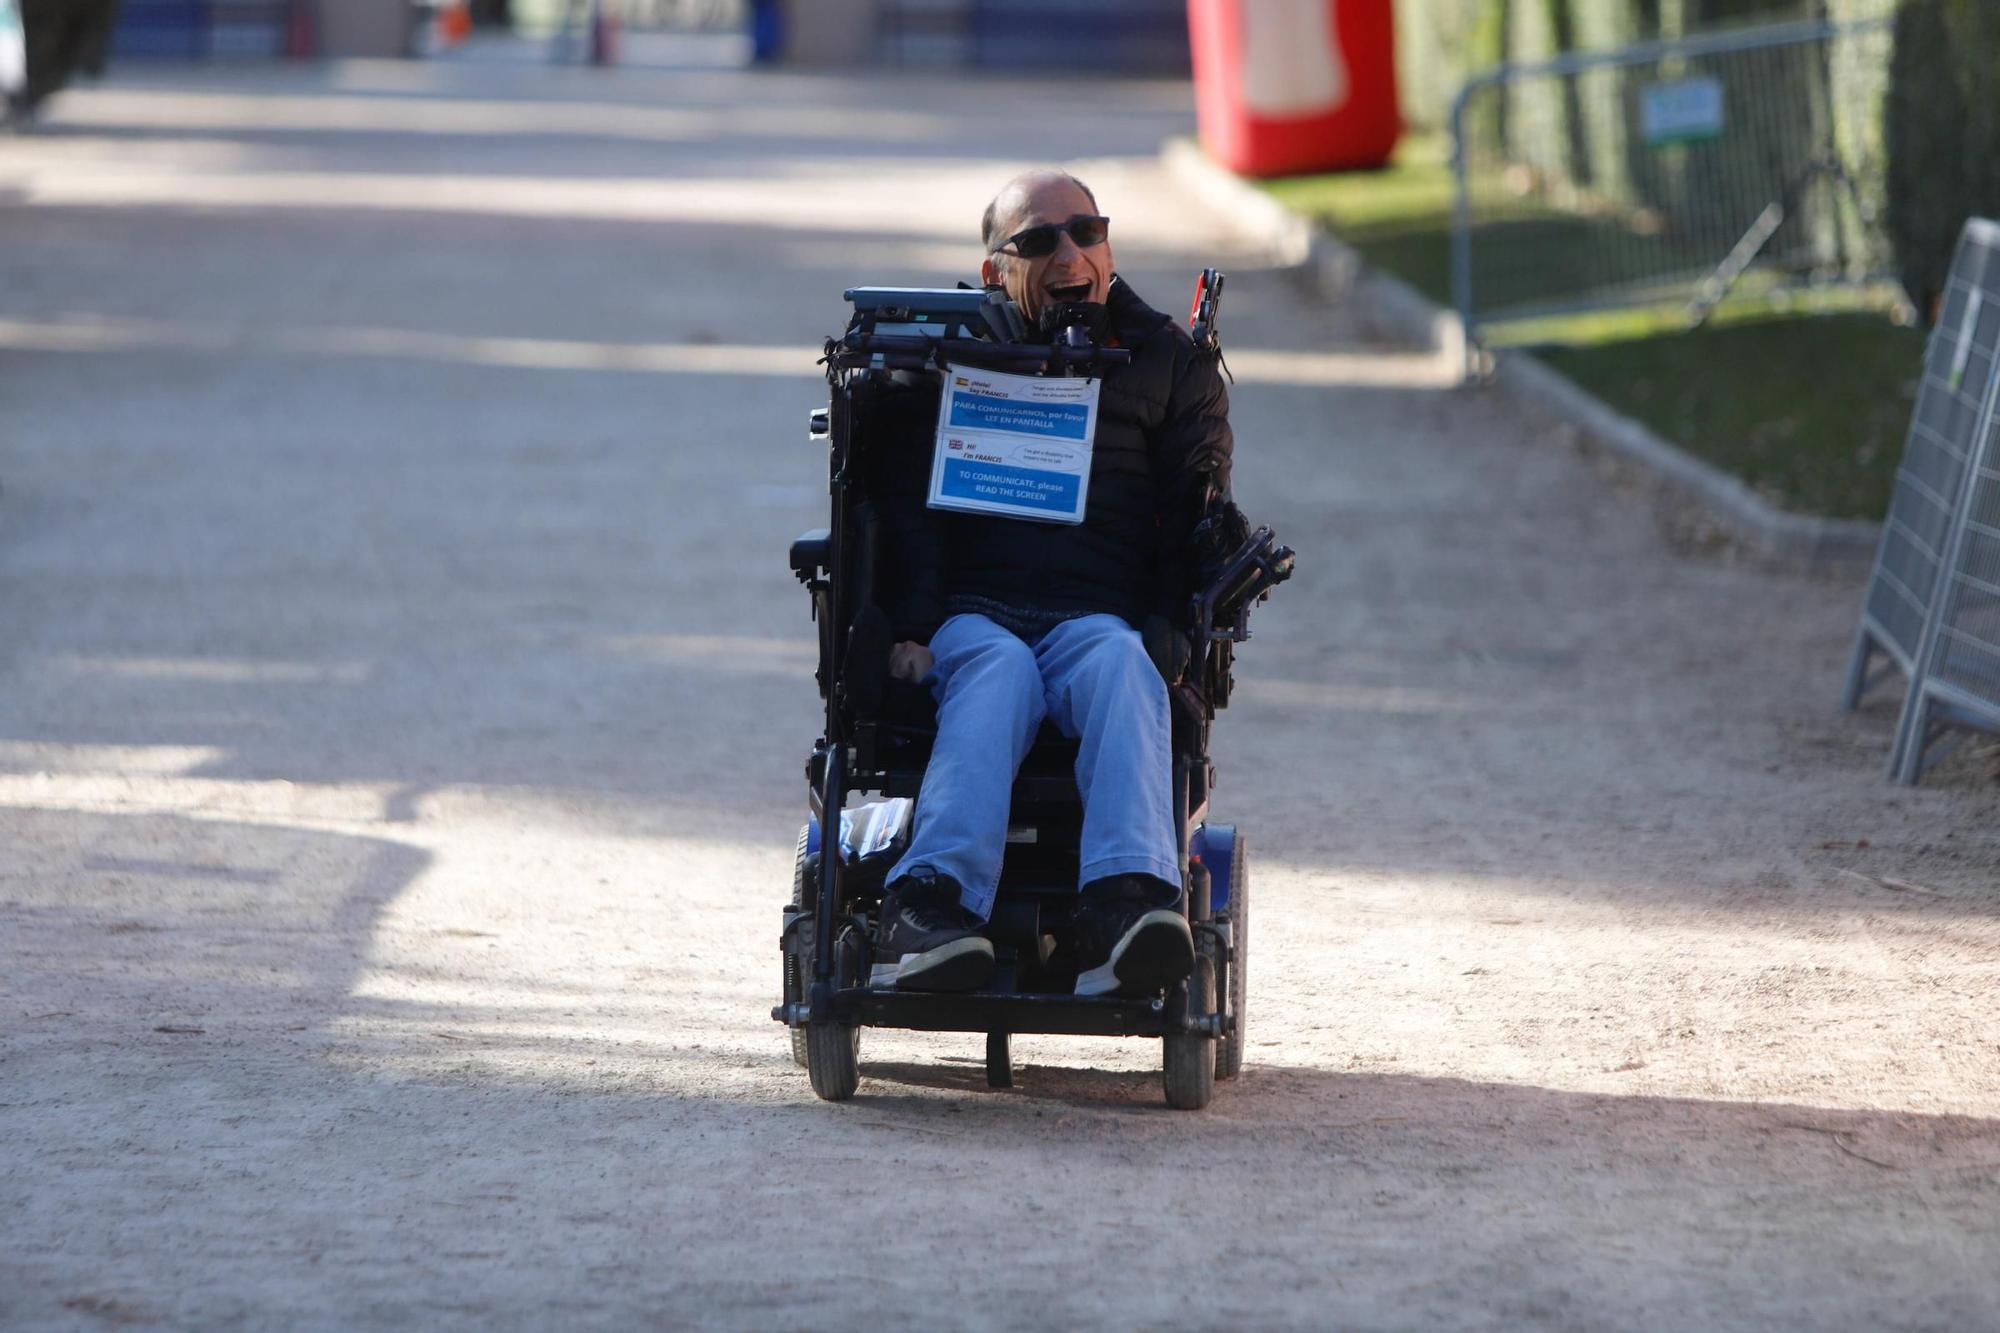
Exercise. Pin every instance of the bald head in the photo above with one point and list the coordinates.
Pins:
(998, 223)
(1071, 272)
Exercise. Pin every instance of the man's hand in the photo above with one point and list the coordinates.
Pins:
(910, 661)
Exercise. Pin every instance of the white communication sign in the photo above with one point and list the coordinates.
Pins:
(1682, 111)
(1014, 445)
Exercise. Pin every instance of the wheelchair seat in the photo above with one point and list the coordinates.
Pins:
(909, 716)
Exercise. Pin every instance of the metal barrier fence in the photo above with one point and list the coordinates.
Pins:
(1669, 171)
(1955, 673)
(1932, 607)
(1957, 682)
(1958, 382)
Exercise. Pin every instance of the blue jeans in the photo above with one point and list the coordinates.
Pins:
(1092, 678)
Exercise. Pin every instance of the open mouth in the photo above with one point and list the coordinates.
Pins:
(1070, 291)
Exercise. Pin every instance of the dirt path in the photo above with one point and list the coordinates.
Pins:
(402, 703)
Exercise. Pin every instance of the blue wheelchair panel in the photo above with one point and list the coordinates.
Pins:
(1214, 845)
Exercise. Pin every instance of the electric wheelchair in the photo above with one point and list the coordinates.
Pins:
(880, 425)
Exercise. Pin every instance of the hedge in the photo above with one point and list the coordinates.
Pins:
(1943, 133)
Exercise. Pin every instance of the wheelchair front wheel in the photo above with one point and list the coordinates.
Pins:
(833, 1050)
(1188, 1058)
(833, 1060)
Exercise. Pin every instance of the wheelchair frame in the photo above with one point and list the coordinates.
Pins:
(916, 331)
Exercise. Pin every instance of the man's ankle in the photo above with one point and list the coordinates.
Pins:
(926, 888)
(1130, 890)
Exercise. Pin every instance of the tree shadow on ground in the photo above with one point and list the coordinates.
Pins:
(138, 926)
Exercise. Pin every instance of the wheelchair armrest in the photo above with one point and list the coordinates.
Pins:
(809, 553)
(1222, 608)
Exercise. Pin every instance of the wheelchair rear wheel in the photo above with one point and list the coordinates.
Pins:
(1229, 1046)
(1188, 1058)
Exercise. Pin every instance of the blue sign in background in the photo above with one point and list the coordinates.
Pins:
(996, 483)
(1057, 421)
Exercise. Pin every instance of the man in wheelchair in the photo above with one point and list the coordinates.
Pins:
(1010, 622)
(1028, 601)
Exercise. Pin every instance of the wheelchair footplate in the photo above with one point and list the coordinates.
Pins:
(1016, 1011)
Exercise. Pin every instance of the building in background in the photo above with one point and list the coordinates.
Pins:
(1139, 37)
(1110, 36)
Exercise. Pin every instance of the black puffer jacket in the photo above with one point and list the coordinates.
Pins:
(1162, 438)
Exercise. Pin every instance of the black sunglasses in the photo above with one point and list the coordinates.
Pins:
(1041, 240)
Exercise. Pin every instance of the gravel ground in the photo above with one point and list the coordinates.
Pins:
(402, 703)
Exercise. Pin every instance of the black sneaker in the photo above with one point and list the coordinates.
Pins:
(1131, 938)
(929, 941)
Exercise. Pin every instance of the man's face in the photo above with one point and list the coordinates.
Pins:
(1070, 273)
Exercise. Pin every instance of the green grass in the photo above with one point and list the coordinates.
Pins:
(1809, 409)
(1805, 398)
(1399, 217)
(1416, 185)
